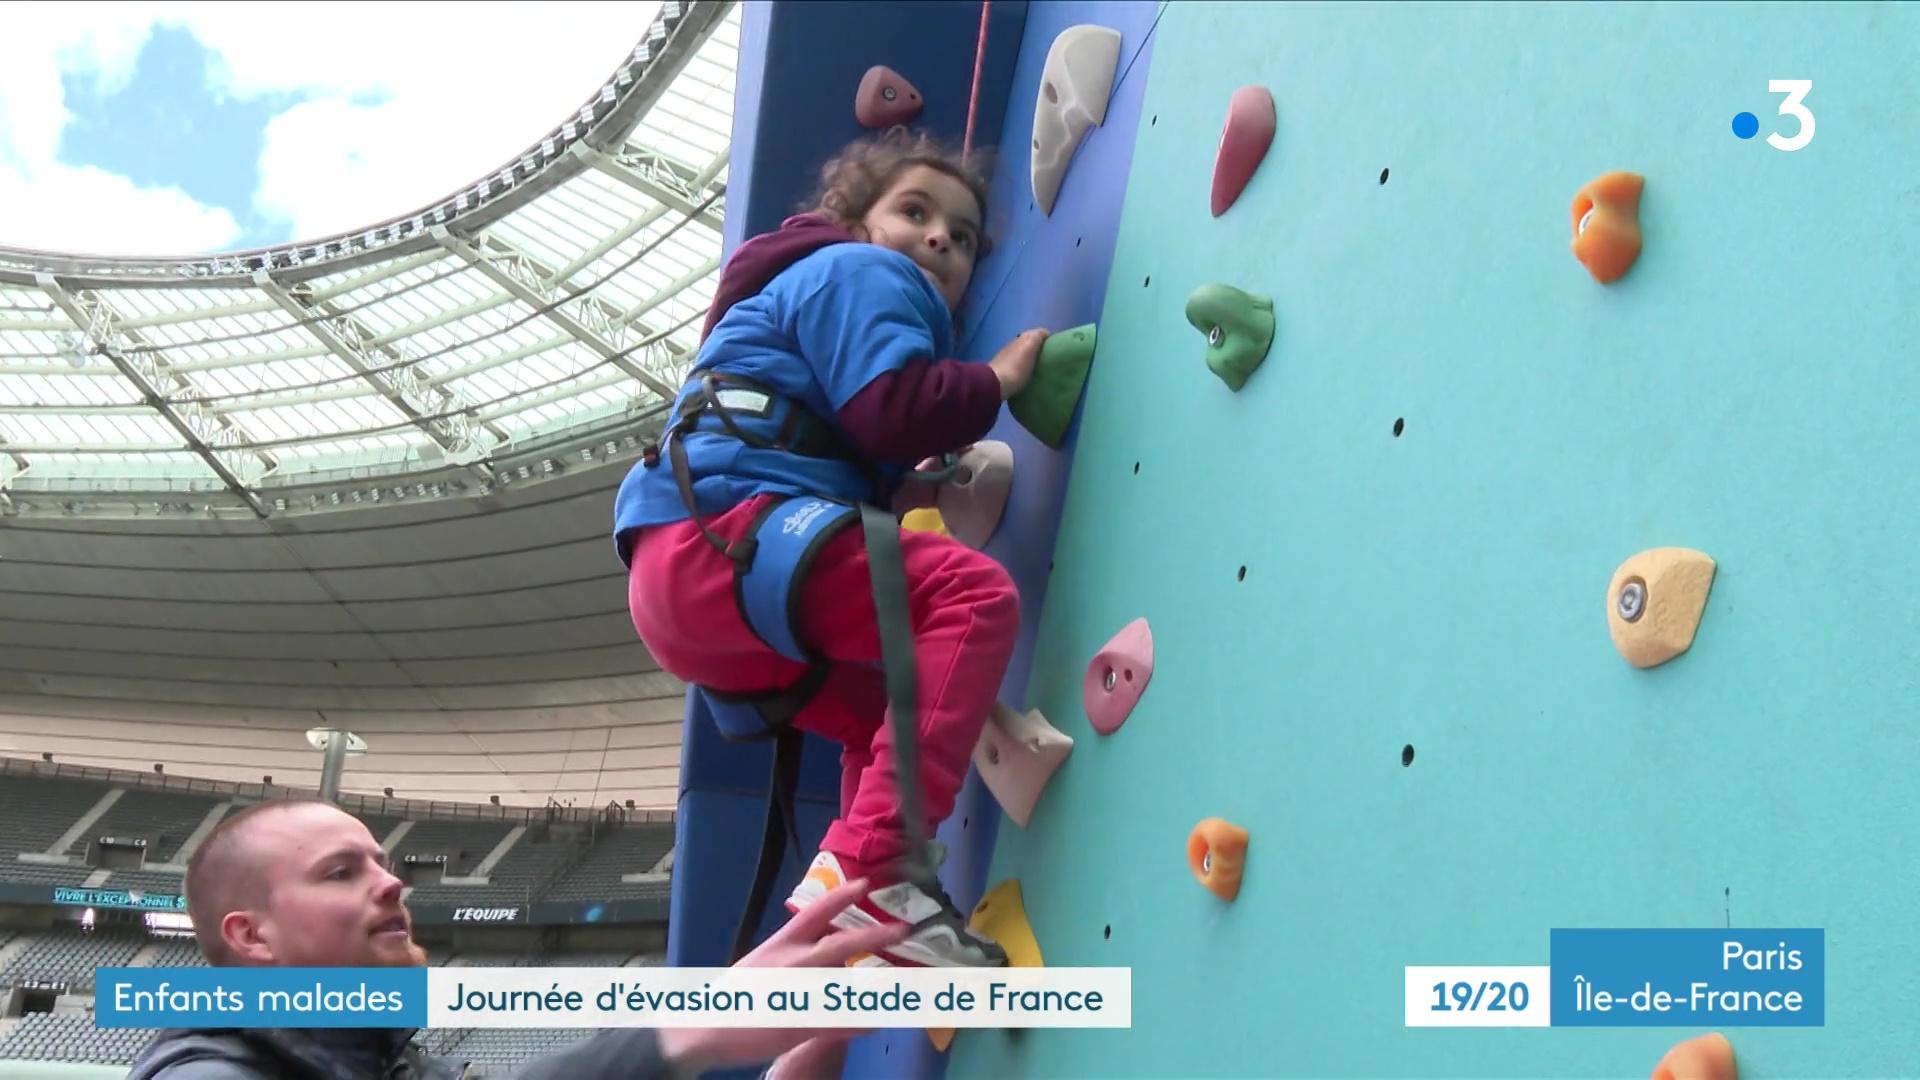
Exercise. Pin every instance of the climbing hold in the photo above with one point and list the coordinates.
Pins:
(1703, 1057)
(972, 501)
(1118, 676)
(1000, 916)
(924, 519)
(1243, 143)
(885, 98)
(1606, 225)
(1239, 329)
(1016, 755)
(1045, 407)
(1074, 86)
(1217, 853)
(1655, 601)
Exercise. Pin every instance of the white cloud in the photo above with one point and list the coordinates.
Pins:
(47, 205)
(407, 103)
(96, 212)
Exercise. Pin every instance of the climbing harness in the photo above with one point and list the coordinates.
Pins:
(770, 561)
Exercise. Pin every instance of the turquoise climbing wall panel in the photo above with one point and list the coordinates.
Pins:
(1456, 438)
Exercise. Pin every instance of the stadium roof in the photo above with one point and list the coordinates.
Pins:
(365, 481)
(546, 304)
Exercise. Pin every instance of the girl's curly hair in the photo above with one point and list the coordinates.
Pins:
(855, 178)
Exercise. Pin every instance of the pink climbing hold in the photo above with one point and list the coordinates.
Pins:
(885, 98)
(1243, 143)
(973, 500)
(1117, 677)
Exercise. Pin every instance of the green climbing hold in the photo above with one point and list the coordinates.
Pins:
(1046, 406)
(1239, 329)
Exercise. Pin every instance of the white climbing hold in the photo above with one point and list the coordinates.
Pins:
(1075, 85)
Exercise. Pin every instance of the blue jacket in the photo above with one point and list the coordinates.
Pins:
(817, 334)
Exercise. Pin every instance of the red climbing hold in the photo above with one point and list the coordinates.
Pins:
(1117, 677)
(885, 99)
(1243, 143)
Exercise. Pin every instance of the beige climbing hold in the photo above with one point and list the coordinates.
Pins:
(1655, 601)
(1016, 755)
(973, 500)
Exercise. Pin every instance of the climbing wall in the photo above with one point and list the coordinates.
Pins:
(1377, 576)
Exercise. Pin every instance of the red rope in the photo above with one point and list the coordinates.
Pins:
(973, 98)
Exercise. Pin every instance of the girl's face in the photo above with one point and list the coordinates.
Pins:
(933, 219)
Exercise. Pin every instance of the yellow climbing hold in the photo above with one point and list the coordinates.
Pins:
(924, 519)
(1001, 916)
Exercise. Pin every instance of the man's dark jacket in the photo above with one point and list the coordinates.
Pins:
(378, 1054)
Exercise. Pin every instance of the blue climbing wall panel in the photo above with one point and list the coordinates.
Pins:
(1399, 535)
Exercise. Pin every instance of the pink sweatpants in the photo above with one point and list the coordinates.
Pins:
(966, 614)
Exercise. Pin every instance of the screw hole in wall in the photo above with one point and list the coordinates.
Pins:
(1406, 755)
(1399, 425)
(1077, 239)
(1155, 120)
(1243, 574)
(1147, 282)
(1136, 468)
(1108, 933)
(1383, 176)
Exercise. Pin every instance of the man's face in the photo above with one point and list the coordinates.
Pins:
(331, 900)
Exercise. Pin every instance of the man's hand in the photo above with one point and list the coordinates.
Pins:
(808, 940)
(1015, 361)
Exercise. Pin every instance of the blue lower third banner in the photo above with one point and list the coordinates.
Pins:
(194, 997)
(1686, 978)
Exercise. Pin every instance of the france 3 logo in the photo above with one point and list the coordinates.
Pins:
(1746, 125)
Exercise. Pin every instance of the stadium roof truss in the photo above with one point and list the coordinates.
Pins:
(532, 322)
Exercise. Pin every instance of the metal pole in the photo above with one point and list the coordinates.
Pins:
(336, 761)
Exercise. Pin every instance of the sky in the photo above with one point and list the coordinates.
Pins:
(191, 128)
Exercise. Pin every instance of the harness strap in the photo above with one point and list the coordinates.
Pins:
(887, 569)
(782, 828)
(804, 434)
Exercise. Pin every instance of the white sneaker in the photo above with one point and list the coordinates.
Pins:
(940, 937)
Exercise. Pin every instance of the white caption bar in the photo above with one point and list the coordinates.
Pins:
(1463, 996)
(781, 997)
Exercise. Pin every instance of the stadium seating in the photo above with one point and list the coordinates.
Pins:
(630, 850)
(464, 843)
(501, 1049)
(175, 952)
(36, 810)
(71, 1037)
(533, 861)
(164, 819)
(69, 955)
(151, 881)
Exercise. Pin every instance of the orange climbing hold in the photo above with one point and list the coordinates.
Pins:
(1606, 225)
(1704, 1057)
(1217, 853)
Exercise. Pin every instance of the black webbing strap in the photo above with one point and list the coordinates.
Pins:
(887, 569)
(781, 828)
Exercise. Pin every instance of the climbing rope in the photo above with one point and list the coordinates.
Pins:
(973, 97)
